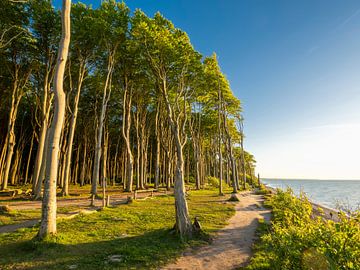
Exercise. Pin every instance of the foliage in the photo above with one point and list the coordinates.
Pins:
(262, 190)
(215, 182)
(298, 240)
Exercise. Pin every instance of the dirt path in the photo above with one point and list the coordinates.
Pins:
(231, 248)
(78, 202)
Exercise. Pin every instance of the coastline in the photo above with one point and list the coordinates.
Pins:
(328, 212)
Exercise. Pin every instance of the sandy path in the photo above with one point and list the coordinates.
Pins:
(232, 246)
(78, 202)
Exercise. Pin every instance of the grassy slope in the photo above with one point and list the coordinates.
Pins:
(139, 233)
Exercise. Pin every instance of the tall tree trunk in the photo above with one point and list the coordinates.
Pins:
(83, 166)
(38, 187)
(242, 153)
(219, 142)
(183, 222)
(10, 139)
(231, 156)
(157, 158)
(48, 215)
(65, 190)
(106, 96)
(76, 174)
(29, 159)
(138, 151)
(104, 167)
(126, 135)
(41, 149)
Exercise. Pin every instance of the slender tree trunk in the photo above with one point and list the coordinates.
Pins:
(138, 150)
(41, 149)
(157, 158)
(126, 135)
(183, 222)
(10, 140)
(83, 167)
(65, 190)
(38, 187)
(219, 144)
(188, 165)
(76, 174)
(106, 96)
(243, 154)
(29, 158)
(104, 172)
(48, 215)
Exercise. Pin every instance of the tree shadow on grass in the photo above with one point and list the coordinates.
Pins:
(147, 251)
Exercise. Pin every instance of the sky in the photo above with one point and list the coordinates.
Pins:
(295, 65)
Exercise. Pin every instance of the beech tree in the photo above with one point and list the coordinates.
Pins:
(111, 24)
(45, 24)
(171, 58)
(48, 216)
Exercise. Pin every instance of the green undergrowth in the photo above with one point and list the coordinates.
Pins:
(262, 190)
(297, 240)
(137, 235)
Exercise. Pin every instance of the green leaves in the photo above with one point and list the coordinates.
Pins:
(297, 240)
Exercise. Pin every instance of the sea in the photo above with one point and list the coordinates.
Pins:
(335, 194)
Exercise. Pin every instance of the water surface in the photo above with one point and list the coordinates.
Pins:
(325, 192)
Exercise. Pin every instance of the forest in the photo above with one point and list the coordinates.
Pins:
(112, 97)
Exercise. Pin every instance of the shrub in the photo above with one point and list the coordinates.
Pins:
(215, 182)
(297, 240)
(262, 190)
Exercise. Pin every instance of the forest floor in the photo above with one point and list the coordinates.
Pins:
(124, 236)
(232, 247)
(26, 212)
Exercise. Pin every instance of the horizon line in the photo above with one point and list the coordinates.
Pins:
(320, 179)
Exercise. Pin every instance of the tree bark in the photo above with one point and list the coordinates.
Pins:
(41, 149)
(126, 135)
(106, 96)
(29, 159)
(157, 159)
(10, 138)
(183, 222)
(48, 216)
(219, 141)
(81, 75)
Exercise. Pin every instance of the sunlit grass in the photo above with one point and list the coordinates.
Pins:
(140, 233)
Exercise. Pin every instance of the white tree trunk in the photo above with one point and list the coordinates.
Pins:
(183, 222)
(10, 138)
(48, 217)
(126, 135)
(106, 96)
(65, 190)
(41, 149)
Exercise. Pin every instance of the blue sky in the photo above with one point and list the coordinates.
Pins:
(296, 67)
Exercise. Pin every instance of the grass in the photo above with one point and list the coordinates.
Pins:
(139, 234)
(18, 216)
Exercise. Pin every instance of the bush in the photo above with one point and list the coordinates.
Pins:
(297, 240)
(215, 182)
(191, 179)
(262, 190)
